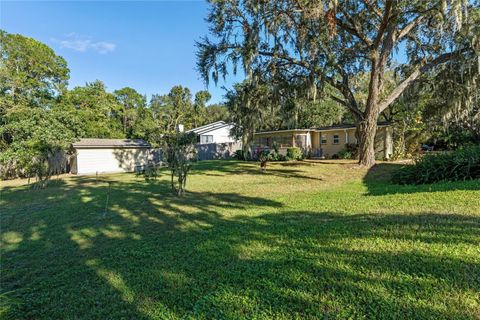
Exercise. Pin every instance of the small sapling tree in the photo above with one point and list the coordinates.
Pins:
(180, 154)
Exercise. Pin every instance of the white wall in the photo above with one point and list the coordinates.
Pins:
(220, 135)
(110, 160)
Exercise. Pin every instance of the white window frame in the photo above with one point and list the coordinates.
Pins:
(337, 138)
(323, 138)
(204, 139)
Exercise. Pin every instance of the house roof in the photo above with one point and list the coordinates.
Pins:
(110, 143)
(349, 126)
(209, 127)
(326, 128)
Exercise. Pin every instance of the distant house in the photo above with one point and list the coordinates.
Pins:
(216, 132)
(109, 155)
(323, 142)
(215, 142)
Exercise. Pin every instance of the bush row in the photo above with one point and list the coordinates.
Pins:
(272, 155)
(462, 164)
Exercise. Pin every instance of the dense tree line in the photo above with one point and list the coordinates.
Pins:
(40, 117)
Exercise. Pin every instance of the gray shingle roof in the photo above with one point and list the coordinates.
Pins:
(210, 127)
(335, 127)
(349, 126)
(110, 143)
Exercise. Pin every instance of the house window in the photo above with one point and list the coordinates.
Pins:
(301, 140)
(323, 139)
(282, 141)
(336, 139)
(206, 139)
(264, 142)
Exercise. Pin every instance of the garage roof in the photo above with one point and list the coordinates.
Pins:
(110, 143)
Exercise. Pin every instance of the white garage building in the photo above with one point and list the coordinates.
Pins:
(109, 155)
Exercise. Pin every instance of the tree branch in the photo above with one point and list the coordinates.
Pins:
(406, 30)
(384, 23)
(417, 72)
(372, 8)
(343, 87)
(353, 30)
(301, 63)
(342, 102)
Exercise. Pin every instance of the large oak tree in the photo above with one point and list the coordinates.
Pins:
(327, 43)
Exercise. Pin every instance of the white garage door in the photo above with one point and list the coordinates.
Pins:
(110, 160)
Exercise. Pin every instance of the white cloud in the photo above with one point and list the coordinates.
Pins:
(83, 44)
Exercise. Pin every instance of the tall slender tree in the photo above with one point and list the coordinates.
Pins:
(201, 99)
(131, 101)
(329, 42)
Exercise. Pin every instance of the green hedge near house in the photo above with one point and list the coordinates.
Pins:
(294, 154)
(459, 165)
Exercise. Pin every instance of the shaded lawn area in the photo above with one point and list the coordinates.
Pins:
(305, 240)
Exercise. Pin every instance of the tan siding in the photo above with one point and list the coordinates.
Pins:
(330, 149)
(315, 140)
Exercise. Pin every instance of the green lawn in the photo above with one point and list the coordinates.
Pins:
(302, 241)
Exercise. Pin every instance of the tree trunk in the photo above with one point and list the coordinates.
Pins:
(367, 126)
(366, 130)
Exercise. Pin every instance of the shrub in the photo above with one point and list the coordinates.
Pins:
(294, 154)
(180, 154)
(276, 156)
(239, 155)
(151, 171)
(462, 164)
(345, 154)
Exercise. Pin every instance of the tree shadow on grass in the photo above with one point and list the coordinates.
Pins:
(222, 167)
(153, 255)
(378, 182)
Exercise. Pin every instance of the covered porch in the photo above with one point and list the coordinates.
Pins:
(283, 139)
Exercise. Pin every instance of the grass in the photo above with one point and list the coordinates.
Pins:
(306, 240)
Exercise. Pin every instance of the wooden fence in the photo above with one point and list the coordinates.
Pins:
(212, 151)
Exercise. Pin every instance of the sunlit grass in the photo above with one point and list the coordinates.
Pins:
(306, 240)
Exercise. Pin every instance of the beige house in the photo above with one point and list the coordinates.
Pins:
(324, 142)
(109, 155)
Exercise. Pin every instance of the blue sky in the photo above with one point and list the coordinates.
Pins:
(145, 45)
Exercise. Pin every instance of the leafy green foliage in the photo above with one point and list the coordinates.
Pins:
(180, 153)
(239, 155)
(345, 154)
(151, 171)
(37, 137)
(461, 164)
(177, 107)
(350, 151)
(131, 101)
(246, 104)
(34, 130)
(30, 72)
(294, 153)
(276, 156)
(97, 108)
(214, 113)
